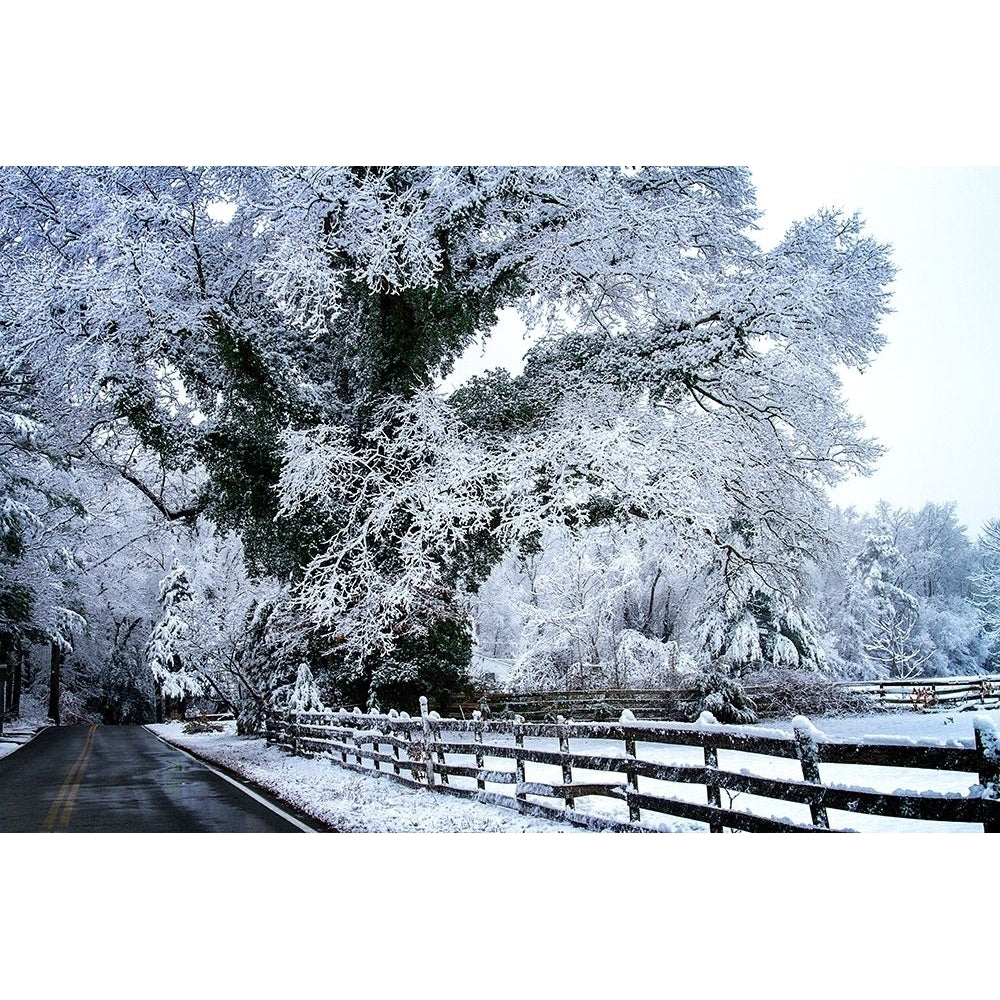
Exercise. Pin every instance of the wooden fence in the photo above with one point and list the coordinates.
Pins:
(928, 692)
(676, 703)
(626, 775)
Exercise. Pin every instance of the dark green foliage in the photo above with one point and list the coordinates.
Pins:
(432, 662)
(722, 694)
(494, 403)
(126, 695)
(242, 455)
(16, 603)
(133, 400)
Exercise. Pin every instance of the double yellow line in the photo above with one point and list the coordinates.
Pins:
(67, 793)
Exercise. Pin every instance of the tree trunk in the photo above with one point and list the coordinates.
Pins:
(55, 663)
(5, 674)
(16, 664)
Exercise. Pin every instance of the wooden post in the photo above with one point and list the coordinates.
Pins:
(477, 734)
(414, 764)
(808, 753)
(394, 730)
(567, 767)
(429, 761)
(714, 795)
(436, 736)
(343, 738)
(988, 753)
(294, 729)
(631, 776)
(519, 765)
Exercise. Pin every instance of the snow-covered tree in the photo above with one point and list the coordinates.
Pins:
(174, 680)
(987, 580)
(902, 603)
(891, 613)
(249, 321)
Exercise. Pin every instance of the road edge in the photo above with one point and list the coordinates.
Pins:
(287, 810)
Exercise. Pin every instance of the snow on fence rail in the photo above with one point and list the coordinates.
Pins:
(620, 775)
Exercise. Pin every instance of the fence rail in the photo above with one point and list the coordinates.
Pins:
(640, 770)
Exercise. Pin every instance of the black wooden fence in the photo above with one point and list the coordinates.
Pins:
(574, 765)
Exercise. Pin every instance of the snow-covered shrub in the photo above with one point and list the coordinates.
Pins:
(305, 695)
(783, 692)
(719, 692)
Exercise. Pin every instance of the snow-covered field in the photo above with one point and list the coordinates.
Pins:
(356, 802)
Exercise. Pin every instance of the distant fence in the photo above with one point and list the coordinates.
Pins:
(606, 704)
(561, 769)
(928, 692)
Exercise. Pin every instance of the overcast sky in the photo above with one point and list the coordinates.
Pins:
(931, 397)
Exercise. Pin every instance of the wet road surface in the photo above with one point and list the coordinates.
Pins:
(121, 779)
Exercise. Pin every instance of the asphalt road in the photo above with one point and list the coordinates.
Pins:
(121, 779)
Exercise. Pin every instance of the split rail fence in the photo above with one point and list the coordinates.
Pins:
(628, 775)
(674, 703)
(928, 692)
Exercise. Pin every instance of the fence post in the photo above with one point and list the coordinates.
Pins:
(808, 753)
(714, 795)
(429, 761)
(438, 748)
(711, 760)
(294, 726)
(630, 775)
(988, 753)
(415, 763)
(477, 734)
(342, 717)
(567, 768)
(519, 765)
(394, 733)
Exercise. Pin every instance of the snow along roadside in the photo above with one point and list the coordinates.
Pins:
(346, 800)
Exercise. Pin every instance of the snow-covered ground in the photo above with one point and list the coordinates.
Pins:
(346, 800)
(17, 732)
(361, 803)
(356, 802)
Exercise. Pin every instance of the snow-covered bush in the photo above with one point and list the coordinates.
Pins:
(719, 692)
(780, 692)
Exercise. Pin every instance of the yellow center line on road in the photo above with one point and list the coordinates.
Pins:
(66, 795)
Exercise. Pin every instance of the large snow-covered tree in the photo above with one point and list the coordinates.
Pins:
(685, 377)
(258, 323)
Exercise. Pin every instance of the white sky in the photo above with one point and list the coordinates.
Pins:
(930, 397)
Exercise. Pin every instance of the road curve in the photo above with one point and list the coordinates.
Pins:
(122, 779)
